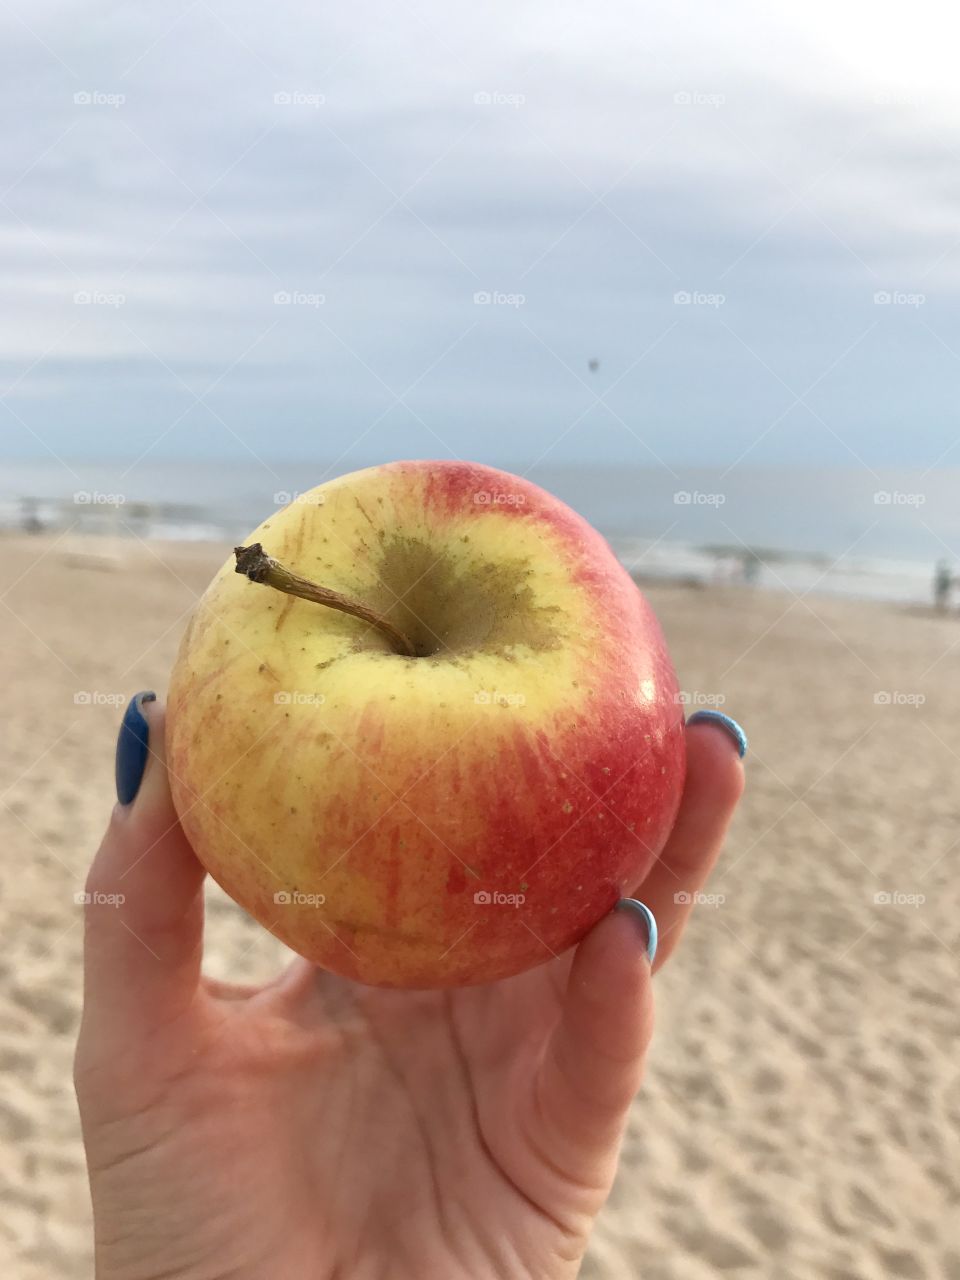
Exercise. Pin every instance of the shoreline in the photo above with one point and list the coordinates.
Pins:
(105, 546)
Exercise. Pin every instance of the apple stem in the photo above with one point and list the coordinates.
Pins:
(254, 562)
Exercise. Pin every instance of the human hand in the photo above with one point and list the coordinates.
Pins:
(313, 1127)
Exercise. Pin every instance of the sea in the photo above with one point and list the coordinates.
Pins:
(855, 532)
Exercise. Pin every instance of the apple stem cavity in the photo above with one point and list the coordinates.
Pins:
(256, 565)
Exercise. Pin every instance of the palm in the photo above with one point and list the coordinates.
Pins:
(354, 1125)
(315, 1127)
(436, 1150)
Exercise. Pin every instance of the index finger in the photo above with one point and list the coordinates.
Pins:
(144, 912)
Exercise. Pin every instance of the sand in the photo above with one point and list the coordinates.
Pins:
(801, 1112)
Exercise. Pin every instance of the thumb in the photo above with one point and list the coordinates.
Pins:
(144, 901)
(595, 1057)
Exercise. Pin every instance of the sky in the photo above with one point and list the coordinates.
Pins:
(670, 235)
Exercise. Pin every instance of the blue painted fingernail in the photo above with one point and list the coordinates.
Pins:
(725, 722)
(132, 746)
(648, 918)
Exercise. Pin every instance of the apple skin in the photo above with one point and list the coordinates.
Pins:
(367, 808)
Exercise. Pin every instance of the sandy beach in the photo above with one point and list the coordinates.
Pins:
(801, 1114)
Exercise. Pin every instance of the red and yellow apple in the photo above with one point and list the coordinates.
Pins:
(451, 817)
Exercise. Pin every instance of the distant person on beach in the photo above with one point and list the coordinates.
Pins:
(315, 1127)
(30, 521)
(943, 582)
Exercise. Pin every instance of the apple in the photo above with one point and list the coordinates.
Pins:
(455, 770)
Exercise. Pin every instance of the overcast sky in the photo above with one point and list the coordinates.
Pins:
(383, 164)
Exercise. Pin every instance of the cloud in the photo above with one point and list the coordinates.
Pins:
(397, 161)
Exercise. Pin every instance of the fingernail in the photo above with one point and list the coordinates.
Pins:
(648, 918)
(725, 722)
(132, 744)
